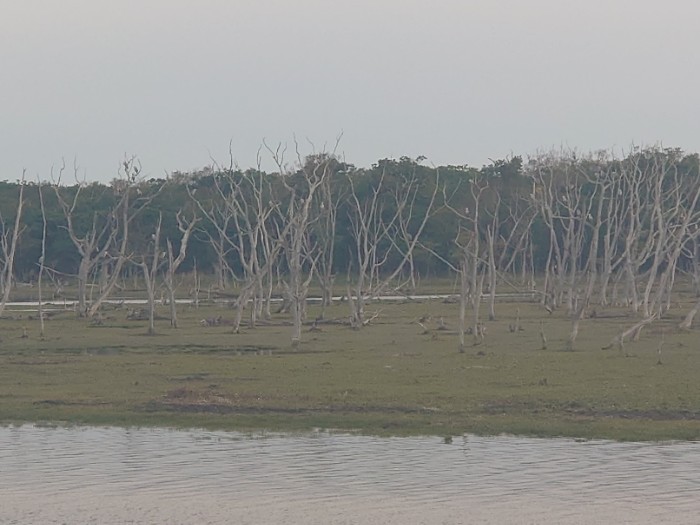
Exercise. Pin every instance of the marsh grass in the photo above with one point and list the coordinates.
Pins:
(392, 377)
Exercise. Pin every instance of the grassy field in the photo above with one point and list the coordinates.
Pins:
(392, 377)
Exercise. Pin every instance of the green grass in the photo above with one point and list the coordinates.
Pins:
(390, 378)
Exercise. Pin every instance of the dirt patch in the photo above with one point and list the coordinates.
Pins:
(185, 400)
(64, 402)
(654, 415)
(197, 376)
(574, 409)
(31, 362)
(240, 349)
(203, 397)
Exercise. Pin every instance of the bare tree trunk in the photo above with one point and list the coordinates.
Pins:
(150, 272)
(186, 229)
(328, 212)
(245, 296)
(83, 276)
(543, 336)
(687, 322)
(478, 328)
(573, 333)
(547, 275)
(463, 299)
(631, 294)
(633, 332)
(196, 285)
(150, 294)
(42, 259)
(269, 289)
(9, 248)
(170, 286)
(492, 273)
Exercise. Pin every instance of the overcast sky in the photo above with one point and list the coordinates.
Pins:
(458, 81)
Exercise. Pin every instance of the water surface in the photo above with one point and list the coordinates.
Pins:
(154, 476)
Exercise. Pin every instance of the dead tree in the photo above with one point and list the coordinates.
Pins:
(567, 197)
(491, 235)
(547, 195)
(516, 241)
(629, 333)
(694, 255)
(660, 218)
(478, 188)
(656, 174)
(375, 227)
(149, 264)
(222, 249)
(105, 241)
(641, 238)
(93, 244)
(8, 244)
(680, 216)
(297, 219)
(612, 256)
(472, 260)
(463, 299)
(331, 195)
(592, 213)
(186, 228)
(543, 336)
(42, 259)
(135, 197)
(240, 211)
(368, 232)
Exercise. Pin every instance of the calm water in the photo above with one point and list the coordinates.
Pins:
(153, 476)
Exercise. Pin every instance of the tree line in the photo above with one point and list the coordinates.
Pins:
(574, 229)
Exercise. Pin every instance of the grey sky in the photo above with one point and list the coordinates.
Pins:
(173, 81)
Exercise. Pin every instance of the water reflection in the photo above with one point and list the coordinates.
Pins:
(110, 475)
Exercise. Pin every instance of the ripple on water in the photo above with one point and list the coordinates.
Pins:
(110, 475)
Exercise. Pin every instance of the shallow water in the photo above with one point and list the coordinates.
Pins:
(115, 476)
